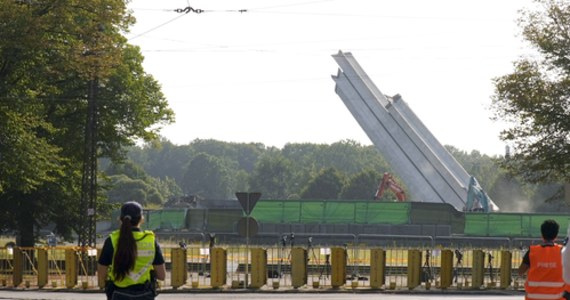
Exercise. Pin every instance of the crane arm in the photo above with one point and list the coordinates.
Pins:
(389, 182)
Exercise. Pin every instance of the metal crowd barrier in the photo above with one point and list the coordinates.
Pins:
(287, 264)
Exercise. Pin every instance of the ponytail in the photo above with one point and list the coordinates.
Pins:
(126, 252)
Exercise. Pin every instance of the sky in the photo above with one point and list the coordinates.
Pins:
(264, 75)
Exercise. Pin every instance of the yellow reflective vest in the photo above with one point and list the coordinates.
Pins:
(143, 263)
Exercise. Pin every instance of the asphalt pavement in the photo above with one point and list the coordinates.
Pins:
(48, 295)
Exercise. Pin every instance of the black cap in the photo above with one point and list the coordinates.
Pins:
(132, 209)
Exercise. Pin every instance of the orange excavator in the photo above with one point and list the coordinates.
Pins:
(388, 182)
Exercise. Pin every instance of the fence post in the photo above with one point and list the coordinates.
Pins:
(70, 268)
(298, 267)
(218, 270)
(446, 271)
(478, 268)
(377, 268)
(18, 267)
(338, 267)
(101, 282)
(42, 267)
(258, 267)
(414, 268)
(179, 267)
(506, 268)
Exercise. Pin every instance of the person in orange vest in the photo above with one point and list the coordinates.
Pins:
(566, 265)
(544, 265)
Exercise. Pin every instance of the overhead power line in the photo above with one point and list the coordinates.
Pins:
(189, 9)
(186, 10)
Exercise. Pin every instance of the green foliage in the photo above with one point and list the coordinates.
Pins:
(290, 173)
(161, 158)
(326, 185)
(26, 160)
(128, 168)
(129, 182)
(271, 176)
(535, 98)
(129, 189)
(207, 177)
(53, 54)
(362, 185)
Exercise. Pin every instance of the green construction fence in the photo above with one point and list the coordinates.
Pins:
(511, 224)
(331, 212)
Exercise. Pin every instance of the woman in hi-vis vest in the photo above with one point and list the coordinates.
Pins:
(131, 259)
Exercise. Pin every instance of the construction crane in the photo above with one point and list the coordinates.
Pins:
(388, 182)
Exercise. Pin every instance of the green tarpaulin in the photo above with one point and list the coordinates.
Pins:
(331, 212)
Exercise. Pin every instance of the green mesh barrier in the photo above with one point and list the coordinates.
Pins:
(504, 225)
(537, 219)
(338, 213)
(312, 212)
(268, 211)
(388, 213)
(223, 220)
(291, 212)
(374, 214)
(361, 212)
(526, 230)
(512, 225)
(331, 212)
(476, 224)
(173, 219)
(196, 219)
(431, 213)
(152, 221)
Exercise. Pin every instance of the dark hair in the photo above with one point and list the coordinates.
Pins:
(126, 252)
(549, 230)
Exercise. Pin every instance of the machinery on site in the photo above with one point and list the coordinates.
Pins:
(477, 199)
(389, 183)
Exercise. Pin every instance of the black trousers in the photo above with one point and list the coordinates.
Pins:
(134, 292)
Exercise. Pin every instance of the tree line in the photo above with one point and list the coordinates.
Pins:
(209, 169)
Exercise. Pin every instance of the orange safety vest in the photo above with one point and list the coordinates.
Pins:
(544, 279)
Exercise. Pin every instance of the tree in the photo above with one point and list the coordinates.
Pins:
(129, 189)
(128, 168)
(54, 55)
(362, 185)
(327, 184)
(346, 156)
(161, 158)
(129, 182)
(271, 175)
(207, 177)
(535, 98)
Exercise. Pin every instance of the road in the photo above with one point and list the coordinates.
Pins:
(46, 295)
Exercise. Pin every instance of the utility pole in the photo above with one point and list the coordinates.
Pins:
(87, 205)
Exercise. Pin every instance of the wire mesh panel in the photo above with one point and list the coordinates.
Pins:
(56, 267)
(6, 266)
(29, 266)
(298, 261)
(517, 257)
(87, 267)
(199, 260)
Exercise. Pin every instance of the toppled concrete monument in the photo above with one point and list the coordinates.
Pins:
(429, 171)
